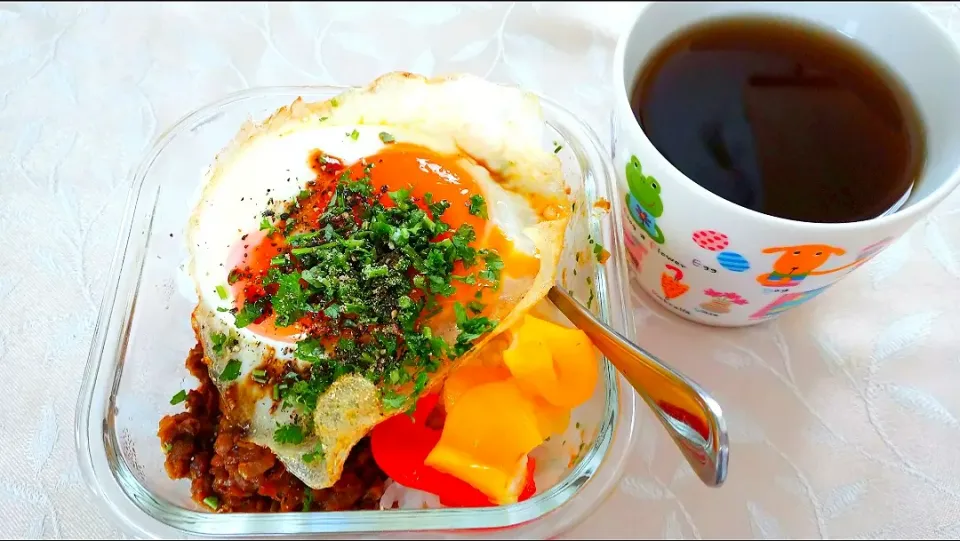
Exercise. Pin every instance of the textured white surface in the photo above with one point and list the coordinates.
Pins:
(844, 415)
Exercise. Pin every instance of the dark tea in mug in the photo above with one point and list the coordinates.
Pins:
(782, 118)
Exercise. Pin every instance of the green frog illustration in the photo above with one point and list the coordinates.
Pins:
(643, 200)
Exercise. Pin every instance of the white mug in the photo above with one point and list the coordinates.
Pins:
(714, 262)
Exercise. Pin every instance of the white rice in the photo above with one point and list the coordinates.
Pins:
(397, 496)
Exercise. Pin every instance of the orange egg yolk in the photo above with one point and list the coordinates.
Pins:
(428, 176)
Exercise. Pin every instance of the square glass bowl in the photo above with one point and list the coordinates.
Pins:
(143, 334)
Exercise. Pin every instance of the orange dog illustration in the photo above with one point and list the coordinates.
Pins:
(798, 262)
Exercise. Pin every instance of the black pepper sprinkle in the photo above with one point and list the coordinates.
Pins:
(244, 237)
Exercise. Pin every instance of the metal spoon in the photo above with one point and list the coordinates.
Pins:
(691, 416)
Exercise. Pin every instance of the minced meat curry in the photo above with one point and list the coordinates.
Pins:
(229, 474)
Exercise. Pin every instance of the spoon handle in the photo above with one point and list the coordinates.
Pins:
(691, 416)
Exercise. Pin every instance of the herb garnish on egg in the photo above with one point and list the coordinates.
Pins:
(361, 272)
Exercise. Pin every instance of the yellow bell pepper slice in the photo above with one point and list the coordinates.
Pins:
(486, 438)
(467, 377)
(555, 362)
(550, 419)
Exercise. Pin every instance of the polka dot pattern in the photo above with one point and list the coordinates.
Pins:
(711, 240)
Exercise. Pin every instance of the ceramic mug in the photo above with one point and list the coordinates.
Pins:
(714, 262)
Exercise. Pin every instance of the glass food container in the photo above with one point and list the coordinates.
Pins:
(143, 334)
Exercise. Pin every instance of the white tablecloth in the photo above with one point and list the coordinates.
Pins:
(844, 415)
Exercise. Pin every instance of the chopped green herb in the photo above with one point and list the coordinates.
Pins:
(167, 447)
(218, 339)
(310, 350)
(354, 308)
(178, 398)
(231, 371)
(494, 265)
(289, 434)
(323, 118)
(307, 499)
(393, 401)
(420, 384)
(222, 342)
(470, 328)
(290, 301)
(353, 135)
(222, 292)
(477, 206)
(375, 272)
(233, 277)
(469, 279)
(316, 454)
(590, 300)
(260, 376)
(335, 102)
(265, 225)
(212, 502)
(557, 149)
(573, 206)
(250, 312)
(598, 252)
(460, 313)
(475, 306)
(386, 137)
(346, 345)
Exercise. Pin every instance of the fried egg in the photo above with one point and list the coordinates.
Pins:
(454, 138)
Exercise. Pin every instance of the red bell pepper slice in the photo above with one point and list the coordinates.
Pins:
(400, 446)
